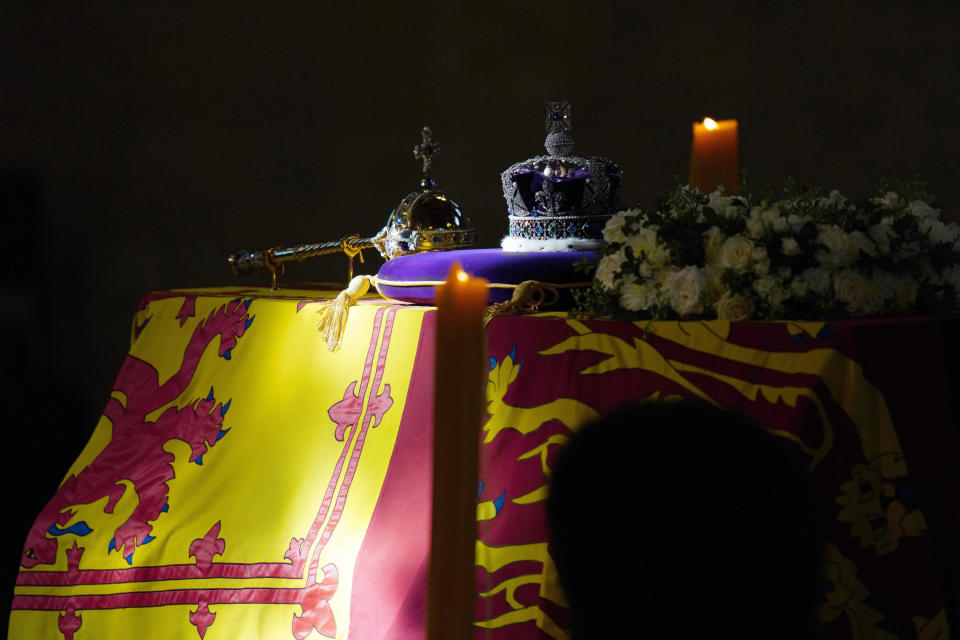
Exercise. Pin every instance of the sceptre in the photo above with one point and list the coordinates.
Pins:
(275, 259)
(425, 220)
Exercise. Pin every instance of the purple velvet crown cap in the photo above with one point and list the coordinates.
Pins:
(562, 186)
(401, 278)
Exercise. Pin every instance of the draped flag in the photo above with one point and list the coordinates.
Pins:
(245, 482)
(228, 487)
(837, 391)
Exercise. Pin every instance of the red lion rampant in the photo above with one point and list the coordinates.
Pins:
(135, 451)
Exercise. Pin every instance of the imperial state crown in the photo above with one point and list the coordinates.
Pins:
(559, 201)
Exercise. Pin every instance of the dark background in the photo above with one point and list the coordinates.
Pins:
(142, 142)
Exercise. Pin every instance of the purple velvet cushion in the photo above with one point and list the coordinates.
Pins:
(494, 265)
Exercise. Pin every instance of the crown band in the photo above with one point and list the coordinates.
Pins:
(557, 227)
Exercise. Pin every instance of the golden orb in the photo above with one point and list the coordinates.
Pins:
(426, 221)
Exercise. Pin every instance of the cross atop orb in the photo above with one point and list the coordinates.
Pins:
(426, 150)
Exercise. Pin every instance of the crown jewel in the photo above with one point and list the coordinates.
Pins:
(428, 219)
(559, 201)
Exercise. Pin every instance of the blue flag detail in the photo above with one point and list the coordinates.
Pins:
(498, 503)
(78, 529)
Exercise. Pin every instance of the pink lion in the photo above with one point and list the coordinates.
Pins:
(135, 452)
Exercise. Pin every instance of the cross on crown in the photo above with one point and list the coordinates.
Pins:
(559, 117)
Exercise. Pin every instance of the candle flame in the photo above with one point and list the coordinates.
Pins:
(462, 275)
(710, 124)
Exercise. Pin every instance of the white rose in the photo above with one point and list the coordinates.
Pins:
(613, 231)
(638, 297)
(732, 212)
(789, 247)
(736, 253)
(718, 202)
(773, 220)
(658, 256)
(881, 234)
(755, 223)
(890, 200)
(924, 213)
(608, 267)
(713, 240)
(834, 253)
(797, 222)
(734, 308)
(834, 198)
(685, 288)
(713, 285)
(663, 277)
(817, 279)
(851, 287)
(941, 233)
(832, 238)
(778, 294)
(643, 241)
(857, 241)
(764, 285)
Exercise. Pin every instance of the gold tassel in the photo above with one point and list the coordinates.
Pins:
(528, 297)
(334, 313)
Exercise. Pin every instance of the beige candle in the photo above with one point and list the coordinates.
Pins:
(714, 159)
(458, 403)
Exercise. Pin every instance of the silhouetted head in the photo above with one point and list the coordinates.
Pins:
(684, 520)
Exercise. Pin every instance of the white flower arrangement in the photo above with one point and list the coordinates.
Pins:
(804, 256)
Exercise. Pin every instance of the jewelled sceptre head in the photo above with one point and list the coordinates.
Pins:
(425, 220)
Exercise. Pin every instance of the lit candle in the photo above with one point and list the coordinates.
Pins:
(714, 159)
(458, 404)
